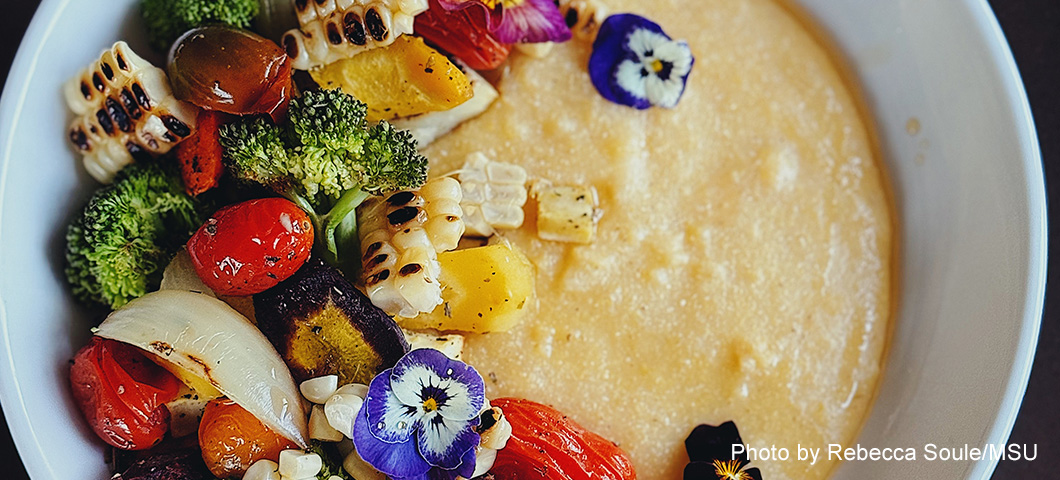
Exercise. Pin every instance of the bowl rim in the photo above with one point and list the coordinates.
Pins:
(1000, 55)
(12, 103)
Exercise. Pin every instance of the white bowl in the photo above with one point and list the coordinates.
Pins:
(968, 186)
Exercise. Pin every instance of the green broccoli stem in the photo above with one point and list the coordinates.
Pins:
(339, 231)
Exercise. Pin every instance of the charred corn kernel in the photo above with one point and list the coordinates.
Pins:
(125, 110)
(317, 390)
(494, 429)
(487, 289)
(536, 50)
(494, 195)
(320, 429)
(331, 30)
(484, 460)
(263, 470)
(566, 213)
(451, 345)
(341, 409)
(403, 79)
(298, 464)
(401, 235)
(583, 17)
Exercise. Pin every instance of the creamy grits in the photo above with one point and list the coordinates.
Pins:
(742, 268)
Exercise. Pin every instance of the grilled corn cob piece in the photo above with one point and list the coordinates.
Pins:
(583, 17)
(335, 29)
(566, 213)
(401, 235)
(494, 195)
(125, 110)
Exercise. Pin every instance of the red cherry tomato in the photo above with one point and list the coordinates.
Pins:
(250, 247)
(545, 444)
(122, 393)
(463, 33)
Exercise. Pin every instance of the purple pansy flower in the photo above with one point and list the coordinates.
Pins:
(520, 21)
(635, 63)
(418, 418)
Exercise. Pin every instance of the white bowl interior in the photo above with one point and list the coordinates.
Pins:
(968, 189)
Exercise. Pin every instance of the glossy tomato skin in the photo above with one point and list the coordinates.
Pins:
(232, 439)
(463, 33)
(232, 71)
(122, 393)
(250, 247)
(545, 444)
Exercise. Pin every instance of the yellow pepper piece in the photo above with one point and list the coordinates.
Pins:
(403, 79)
(485, 289)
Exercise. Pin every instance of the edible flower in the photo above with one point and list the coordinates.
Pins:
(418, 418)
(710, 451)
(520, 21)
(634, 63)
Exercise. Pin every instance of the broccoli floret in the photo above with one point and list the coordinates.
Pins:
(167, 20)
(327, 159)
(127, 233)
(330, 467)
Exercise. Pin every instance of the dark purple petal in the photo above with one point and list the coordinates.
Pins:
(700, 471)
(532, 21)
(443, 443)
(707, 443)
(465, 470)
(386, 417)
(398, 460)
(754, 473)
(495, 14)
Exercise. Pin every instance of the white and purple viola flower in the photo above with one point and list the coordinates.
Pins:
(418, 418)
(634, 63)
(520, 21)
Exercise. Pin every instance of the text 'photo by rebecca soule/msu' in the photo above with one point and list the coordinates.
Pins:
(498, 239)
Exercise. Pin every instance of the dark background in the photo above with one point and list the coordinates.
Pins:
(1033, 31)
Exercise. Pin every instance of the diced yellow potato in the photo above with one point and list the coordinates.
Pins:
(485, 289)
(403, 79)
(566, 213)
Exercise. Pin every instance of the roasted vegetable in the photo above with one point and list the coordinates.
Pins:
(249, 247)
(401, 236)
(208, 339)
(232, 439)
(327, 160)
(122, 393)
(322, 325)
(127, 233)
(494, 195)
(487, 289)
(203, 71)
(463, 33)
(566, 213)
(124, 111)
(546, 444)
(428, 127)
(200, 156)
(182, 465)
(403, 79)
(168, 19)
(332, 29)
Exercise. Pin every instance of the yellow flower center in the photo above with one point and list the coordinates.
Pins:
(492, 4)
(729, 470)
(430, 405)
(657, 65)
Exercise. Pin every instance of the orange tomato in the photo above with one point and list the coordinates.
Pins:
(232, 439)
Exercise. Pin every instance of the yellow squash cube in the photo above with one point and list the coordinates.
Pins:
(485, 289)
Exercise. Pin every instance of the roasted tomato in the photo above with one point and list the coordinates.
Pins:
(545, 444)
(232, 439)
(250, 247)
(122, 393)
(200, 155)
(231, 70)
(464, 34)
